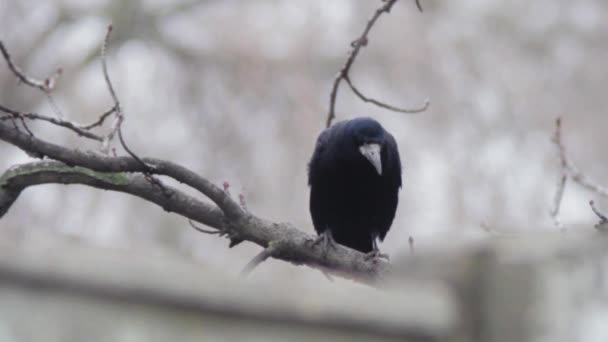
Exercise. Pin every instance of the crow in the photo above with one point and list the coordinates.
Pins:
(354, 176)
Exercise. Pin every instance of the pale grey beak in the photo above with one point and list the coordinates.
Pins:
(372, 153)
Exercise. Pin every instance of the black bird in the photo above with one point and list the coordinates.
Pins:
(354, 177)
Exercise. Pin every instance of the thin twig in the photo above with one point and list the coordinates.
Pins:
(563, 177)
(260, 258)
(603, 224)
(343, 74)
(59, 122)
(32, 82)
(13, 121)
(582, 180)
(54, 105)
(104, 67)
(46, 85)
(117, 127)
(557, 199)
(571, 170)
(117, 109)
(380, 104)
(205, 231)
(101, 119)
(24, 124)
(133, 155)
(603, 218)
(568, 170)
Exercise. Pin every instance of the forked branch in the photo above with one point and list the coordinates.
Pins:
(344, 73)
(569, 171)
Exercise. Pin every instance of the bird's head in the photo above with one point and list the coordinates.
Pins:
(370, 139)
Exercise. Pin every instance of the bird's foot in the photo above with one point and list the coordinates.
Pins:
(326, 240)
(375, 255)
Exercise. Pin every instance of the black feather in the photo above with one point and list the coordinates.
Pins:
(347, 195)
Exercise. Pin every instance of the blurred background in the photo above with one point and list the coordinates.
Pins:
(239, 90)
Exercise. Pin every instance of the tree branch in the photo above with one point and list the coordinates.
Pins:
(134, 175)
(45, 85)
(123, 174)
(260, 258)
(568, 170)
(343, 74)
(102, 163)
(603, 224)
(80, 130)
(19, 177)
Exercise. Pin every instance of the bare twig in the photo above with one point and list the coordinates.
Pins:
(26, 127)
(46, 86)
(119, 116)
(117, 127)
(32, 82)
(569, 171)
(54, 105)
(343, 74)
(260, 258)
(124, 145)
(557, 200)
(203, 230)
(101, 119)
(603, 224)
(59, 122)
(563, 177)
(380, 104)
(104, 67)
(602, 217)
(582, 180)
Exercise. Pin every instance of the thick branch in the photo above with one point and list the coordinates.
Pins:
(134, 175)
(114, 173)
(19, 177)
(102, 163)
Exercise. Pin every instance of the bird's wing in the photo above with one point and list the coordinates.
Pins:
(319, 160)
(394, 161)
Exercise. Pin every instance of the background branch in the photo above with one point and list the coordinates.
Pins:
(44, 85)
(569, 171)
(343, 74)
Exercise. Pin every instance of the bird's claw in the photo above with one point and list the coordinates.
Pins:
(326, 240)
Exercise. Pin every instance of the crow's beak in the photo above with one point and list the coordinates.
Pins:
(372, 153)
